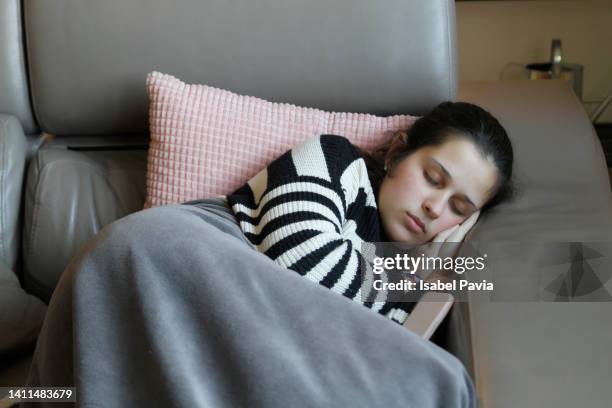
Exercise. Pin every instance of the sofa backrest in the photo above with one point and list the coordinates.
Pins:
(87, 60)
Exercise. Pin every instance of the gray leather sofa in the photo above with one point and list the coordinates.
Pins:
(73, 139)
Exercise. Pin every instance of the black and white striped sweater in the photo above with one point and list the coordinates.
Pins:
(310, 211)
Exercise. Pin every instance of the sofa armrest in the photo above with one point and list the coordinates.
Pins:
(13, 152)
(521, 350)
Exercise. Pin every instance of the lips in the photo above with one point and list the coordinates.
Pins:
(414, 224)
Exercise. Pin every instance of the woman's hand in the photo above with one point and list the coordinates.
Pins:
(458, 232)
(446, 243)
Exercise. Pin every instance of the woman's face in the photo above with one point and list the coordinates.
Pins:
(434, 188)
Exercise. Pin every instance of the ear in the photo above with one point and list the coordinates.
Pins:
(399, 138)
(397, 144)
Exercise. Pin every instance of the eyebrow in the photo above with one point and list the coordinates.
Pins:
(466, 198)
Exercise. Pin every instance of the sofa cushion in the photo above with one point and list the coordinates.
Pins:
(207, 141)
(70, 196)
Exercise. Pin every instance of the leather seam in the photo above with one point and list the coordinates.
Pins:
(3, 207)
(448, 49)
(28, 66)
(35, 209)
(472, 346)
(25, 70)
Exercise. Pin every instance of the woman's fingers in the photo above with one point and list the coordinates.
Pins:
(453, 239)
(459, 233)
(443, 235)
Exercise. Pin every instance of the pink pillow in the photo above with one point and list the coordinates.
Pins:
(207, 142)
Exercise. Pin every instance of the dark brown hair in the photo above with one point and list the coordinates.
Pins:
(449, 120)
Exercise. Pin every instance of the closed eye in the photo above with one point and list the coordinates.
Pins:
(456, 210)
(430, 179)
(461, 208)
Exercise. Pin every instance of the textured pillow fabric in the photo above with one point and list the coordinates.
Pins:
(207, 142)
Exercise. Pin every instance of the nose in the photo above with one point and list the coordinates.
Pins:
(434, 205)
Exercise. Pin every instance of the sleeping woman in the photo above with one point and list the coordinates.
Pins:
(172, 306)
(313, 208)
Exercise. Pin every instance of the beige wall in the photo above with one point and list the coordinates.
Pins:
(493, 34)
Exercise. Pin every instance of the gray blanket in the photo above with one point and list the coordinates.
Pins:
(172, 306)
